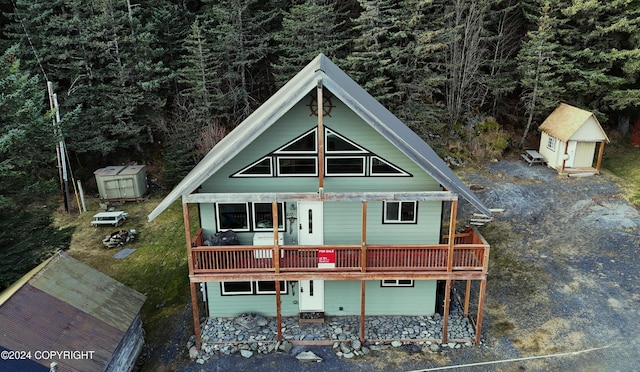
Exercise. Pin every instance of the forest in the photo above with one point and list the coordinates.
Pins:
(159, 82)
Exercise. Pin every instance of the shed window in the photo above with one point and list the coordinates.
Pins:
(551, 143)
(396, 283)
(232, 216)
(400, 211)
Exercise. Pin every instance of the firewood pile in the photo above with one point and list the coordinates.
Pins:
(119, 238)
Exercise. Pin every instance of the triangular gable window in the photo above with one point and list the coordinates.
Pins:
(343, 158)
(261, 168)
(336, 143)
(381, 167)
(305, 144)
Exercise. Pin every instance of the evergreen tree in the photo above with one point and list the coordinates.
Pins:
(539, 62)
(103, 62)
(308, 29)
(372, 62)
(27, 141)
(240, 45)
(27, 173)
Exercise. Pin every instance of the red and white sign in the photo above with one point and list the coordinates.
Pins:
(326, 258)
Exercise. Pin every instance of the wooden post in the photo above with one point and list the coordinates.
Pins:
(452, 234)
(445, 316)
(363, 286)
(467, 295)
(194, 293)
(483, 288)
(196, 314)
(278, 311)
(566, 148)
(363, 242)
(320, 138)
(276, 247)
(599, 161)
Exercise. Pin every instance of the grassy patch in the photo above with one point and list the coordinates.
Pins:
(623, 162)
(158, 268)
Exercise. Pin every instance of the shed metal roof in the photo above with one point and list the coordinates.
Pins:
(66, 305)
(352, 95)
(566, 120)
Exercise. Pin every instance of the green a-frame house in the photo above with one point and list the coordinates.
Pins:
(339, 209)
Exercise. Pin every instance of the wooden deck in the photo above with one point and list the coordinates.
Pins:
(470, 253)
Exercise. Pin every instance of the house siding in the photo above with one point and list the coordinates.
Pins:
(342, 224)
(296, 122)
(417, 300)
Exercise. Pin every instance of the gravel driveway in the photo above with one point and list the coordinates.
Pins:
(563, 292)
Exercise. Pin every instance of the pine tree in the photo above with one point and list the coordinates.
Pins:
(103, 62)
(538, 62)
(372, 62)
(308, 29)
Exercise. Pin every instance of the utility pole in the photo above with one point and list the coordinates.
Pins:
(60, 149)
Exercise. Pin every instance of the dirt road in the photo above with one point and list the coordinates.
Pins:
(563, 292)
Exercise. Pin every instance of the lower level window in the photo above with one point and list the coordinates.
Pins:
(252, 287)
(396, 283)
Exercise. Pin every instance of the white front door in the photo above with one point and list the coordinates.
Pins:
(310, 232)
(310, 229)
(311, 295)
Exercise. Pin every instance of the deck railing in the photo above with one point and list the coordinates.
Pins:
(470, 253)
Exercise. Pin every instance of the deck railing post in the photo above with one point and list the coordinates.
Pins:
(276, 247)
(363, 247)
(452, 232)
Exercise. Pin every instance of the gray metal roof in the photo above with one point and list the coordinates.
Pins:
(352, 95)
(64, 304)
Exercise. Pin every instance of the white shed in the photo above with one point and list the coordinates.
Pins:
(569, 138)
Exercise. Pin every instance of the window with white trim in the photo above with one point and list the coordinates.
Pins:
(400, 211)
(263, 217)
(261, 168)
(381, 167)
(396, 283)
(297, 166)
(551, 143)
(299, 158)
(232, 216)
(344, 165)
(252, 287)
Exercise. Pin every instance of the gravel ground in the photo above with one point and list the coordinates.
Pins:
(563, 292)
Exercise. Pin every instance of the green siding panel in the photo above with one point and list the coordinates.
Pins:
(417, 300)
(342, 224)
(265, 305)
(296, 122)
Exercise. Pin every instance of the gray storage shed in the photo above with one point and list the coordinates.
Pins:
(122, 182)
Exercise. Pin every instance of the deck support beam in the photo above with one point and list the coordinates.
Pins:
(483, 288)
(194, 293)
(276, 247)
(445, 315)
(363, 287)
(278, 311)
(599, 161)
(467, 296)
